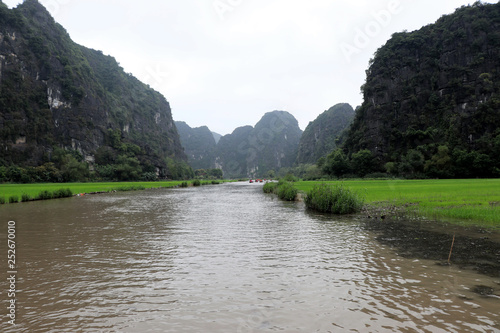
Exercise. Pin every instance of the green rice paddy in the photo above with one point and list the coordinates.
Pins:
(465, 201)
(9, 190)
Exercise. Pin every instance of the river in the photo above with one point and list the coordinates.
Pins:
(224, 258)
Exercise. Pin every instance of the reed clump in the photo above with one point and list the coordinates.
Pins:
(44, 195)
(270, 187)
(335, 199)
(62, 193)
(286, 191)
(26, 197)
(283, 189)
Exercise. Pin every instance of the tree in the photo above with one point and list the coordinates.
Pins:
(440, 163)
(72, 170)
(337, 164)
(412, 163)
(363, 162)
(128, 168)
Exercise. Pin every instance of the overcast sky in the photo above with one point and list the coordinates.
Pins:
(224, 63)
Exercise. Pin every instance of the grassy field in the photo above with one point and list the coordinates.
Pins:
(473, 201)
(8, 190)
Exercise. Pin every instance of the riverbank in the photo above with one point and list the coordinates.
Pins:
(8, 191)
(462, 201)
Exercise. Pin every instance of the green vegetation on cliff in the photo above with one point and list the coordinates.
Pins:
(56, 95)
(256, 151)
(432, 100)
(323, 134)
(199, 145)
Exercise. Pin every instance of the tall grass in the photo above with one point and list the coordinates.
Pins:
(336, 199)
(270, 187)
(26, 197)
(286, 191)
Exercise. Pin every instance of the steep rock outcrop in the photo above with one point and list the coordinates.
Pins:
(433, 94)
(56, 93)
(199, 145)
(254, 151)
(319, 137)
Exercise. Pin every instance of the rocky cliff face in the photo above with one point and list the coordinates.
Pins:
(254, 151)
(55, 93)
(199, 145)
(435, 94)
(320, 136)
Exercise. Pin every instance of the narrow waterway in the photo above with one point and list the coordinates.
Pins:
(224, 258)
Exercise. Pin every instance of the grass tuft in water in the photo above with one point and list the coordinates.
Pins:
(44, 195)
(270, 187)
(286, 191)
(26, 197)
(62, 193)
(335, 199)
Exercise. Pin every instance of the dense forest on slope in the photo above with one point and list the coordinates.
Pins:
(69, 113)
(261, 150)
(321, 135)
(432, 100)
(199, 145)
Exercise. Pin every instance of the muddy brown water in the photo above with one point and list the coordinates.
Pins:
(229, 258)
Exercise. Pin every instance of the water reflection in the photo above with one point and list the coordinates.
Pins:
(226, 259)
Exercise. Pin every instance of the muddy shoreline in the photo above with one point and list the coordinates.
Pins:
(473, 248)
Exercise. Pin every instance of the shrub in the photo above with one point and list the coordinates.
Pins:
(335, 199)
(13, 199)
(270, 187)
(215, 182)
(26, 197)
(131, 188)
(184, 184)
(196, 182)
(377, 175)
(287, 192)
(2, 200)
(289, 177)
(62, 193)
(44, 195)
(150, 176)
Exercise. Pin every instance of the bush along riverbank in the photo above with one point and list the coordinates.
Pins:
(283, 189)
(334, 199)
(324, 198)
(43, 195)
